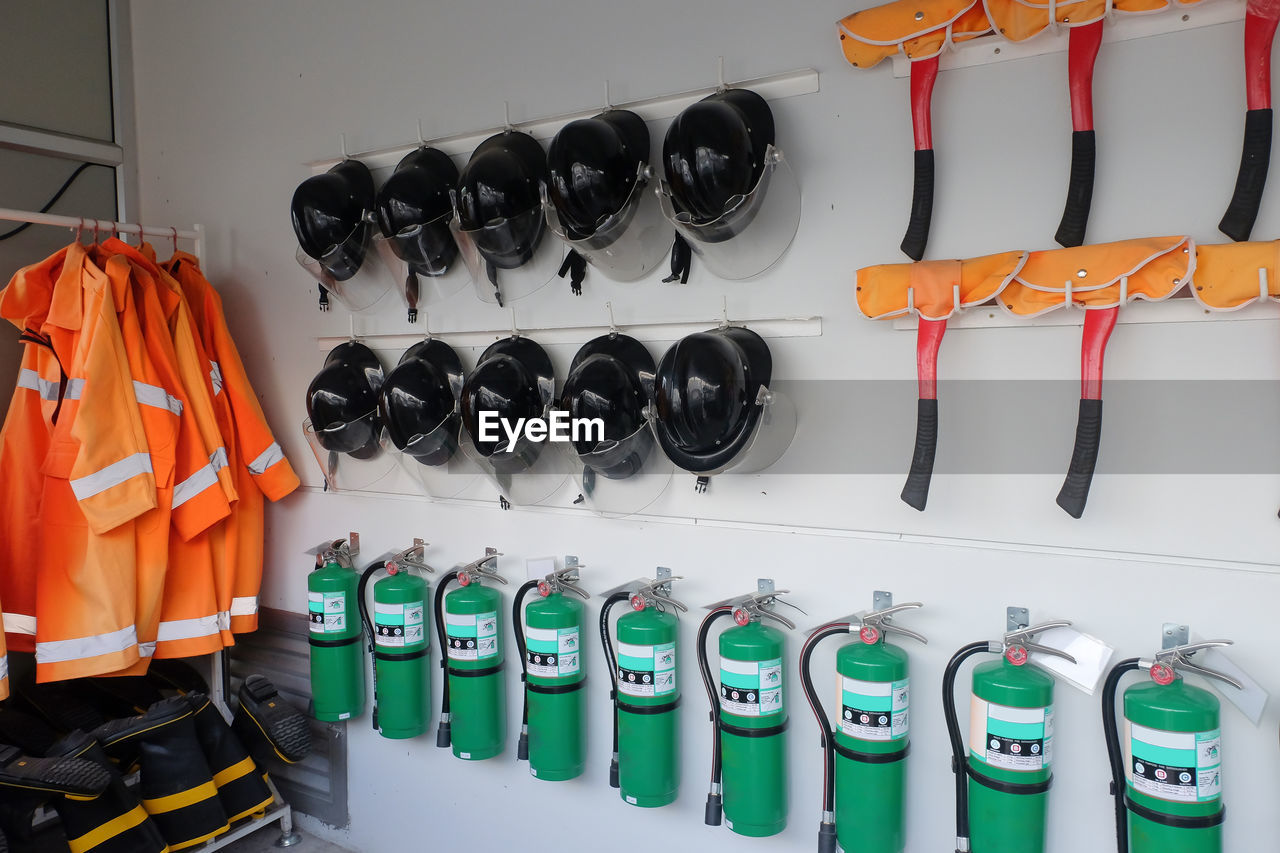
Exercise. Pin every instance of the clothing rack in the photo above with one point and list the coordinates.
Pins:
(195, 234)
(280, 811)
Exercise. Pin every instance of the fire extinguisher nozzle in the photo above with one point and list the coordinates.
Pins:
(444, 736)
(613, 774)
(715, 810)
(522, 747)
(826, 838)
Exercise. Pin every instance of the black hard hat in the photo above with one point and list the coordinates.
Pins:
(705, 397)
(500, 185)
(413, 211)
(418, 403)
(714, 151)
(611, 378)
(328, 217)
(513, 378)
(342, 401)
(592, 165)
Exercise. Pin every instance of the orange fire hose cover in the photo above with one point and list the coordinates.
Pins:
(1019, 20)
(1232, 275)
(1100, 276)
(929, 288)
(919, 28)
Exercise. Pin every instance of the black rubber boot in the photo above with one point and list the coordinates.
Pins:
(125, 696)
(269, 725)
(177, 787)
(114, 822)
(68, 777)
(242, 785)
(67, 706)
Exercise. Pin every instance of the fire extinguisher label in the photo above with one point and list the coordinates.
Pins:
(1182, 767)
(552, 652)
(647, 670)
(471, 636)
(1011, 738)
(875, 710)
(327, 612)
(398, 625)
(751, 688)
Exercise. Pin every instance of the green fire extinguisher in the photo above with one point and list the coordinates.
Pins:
(646, 691)
(552, 734)
(748, 714)
(1167, 776)
(337, 661)
(473, 694)
(865, 756)
(399, 641)
(1003, 777)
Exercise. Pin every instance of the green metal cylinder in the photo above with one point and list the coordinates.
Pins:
(477, 692)
(648, 694)
(1173, 766)
(337, 661)
(557, 702)
(753, 720)
(401, 654)
(1010, 743)
(872, 736)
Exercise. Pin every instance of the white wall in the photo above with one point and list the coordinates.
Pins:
(232, 99)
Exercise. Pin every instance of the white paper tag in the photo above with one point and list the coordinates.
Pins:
(1251, 701)
(1092, 657)
(536, 568)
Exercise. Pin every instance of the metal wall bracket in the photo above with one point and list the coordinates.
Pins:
(764, 586)
(1017, 618)
(1174, 634)
(881, 600)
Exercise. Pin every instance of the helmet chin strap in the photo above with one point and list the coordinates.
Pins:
(681, 261)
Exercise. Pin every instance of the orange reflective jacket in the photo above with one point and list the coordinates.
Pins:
(260, 468)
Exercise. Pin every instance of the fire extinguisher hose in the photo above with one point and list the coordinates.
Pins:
(715, 801)
(959, 759)
(827, 826)
(444, 734)
(368, 628)
(517, 622)
(1113, 748)
(616, 598)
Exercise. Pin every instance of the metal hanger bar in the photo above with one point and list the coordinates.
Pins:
(11, 215)
(803, 81)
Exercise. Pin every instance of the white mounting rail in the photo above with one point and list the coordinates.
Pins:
(782, 327)
(1178, 310)
(803, 81)
(1119, 27)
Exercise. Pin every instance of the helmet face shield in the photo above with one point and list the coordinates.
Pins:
(418, 403)
(627, 245)
(720, 159)
(329, 214)
(342, 416)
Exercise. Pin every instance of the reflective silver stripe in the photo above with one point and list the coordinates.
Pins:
(31, 380)
(266, 459)
(194, 485)
(224, 620)
(112, 475)
(153, 395)
(187, 629)
(19, 623)
(146, 395)
(60, 651)
(146, 650)
(244, 606)
(218, 459)
(215, 377)
(4, 667)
